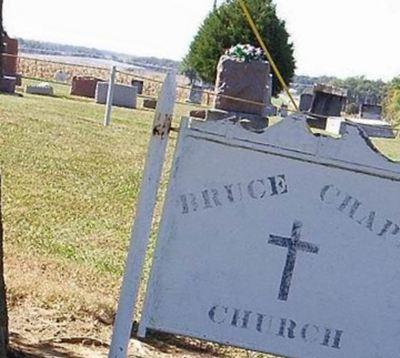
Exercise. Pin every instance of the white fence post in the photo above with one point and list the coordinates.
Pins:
(110, 96)
(143, 220)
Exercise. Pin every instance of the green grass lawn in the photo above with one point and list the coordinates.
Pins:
(70, 185)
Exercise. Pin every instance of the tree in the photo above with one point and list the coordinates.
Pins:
(226, 26)
(392, 102)
(362, 90)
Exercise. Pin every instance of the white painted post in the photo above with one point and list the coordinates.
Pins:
(110, 96)
(144, 216)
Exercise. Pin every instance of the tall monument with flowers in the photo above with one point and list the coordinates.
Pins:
(243, 81)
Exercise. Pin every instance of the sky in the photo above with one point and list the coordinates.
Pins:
(341, 38)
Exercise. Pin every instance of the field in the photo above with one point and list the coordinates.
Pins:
(69, 192)
(46, 68)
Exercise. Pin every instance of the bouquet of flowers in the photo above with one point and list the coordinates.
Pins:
(245, 53)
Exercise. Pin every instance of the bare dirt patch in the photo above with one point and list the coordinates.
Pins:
(59, 310)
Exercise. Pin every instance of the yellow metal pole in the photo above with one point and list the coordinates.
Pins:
(267, 53)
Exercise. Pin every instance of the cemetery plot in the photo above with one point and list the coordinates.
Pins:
(124, 96)
(280, 241)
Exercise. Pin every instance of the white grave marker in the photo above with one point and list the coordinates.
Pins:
(280, 242)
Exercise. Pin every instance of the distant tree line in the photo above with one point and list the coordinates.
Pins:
(49, 48)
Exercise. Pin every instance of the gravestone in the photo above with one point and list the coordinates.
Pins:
(195, 94)
(372, 128)
(286, 243)
(10, 65)
(10, 62)
(319, 122)
(139, 84)
(43, 88)
(371, 111)
(8, 84)
(283, 110)
(124, 96)
(334, 125)
(150, 103)
(198, 113)
(84, 86)
(328, 101)
(61, 76)
(305, 102)
(242, 86)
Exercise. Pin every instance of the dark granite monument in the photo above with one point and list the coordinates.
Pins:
(139, 84)
(306, 99)
(371, 111)
(328, 101)
(84, 86)
(247, 81)
(150, 103)
(10, 65)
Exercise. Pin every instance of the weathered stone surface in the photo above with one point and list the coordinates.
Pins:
(195, 94)
(43, 89)
(334, 91)
(84, 86)
(328, 101)
(150, 103)
(246, 81)
(372, 128)
(217, 115)
(198, 114)
(124, 96)
(249, 121)
(7, 85)
(139, 84)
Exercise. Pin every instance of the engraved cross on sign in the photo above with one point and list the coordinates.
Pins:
(293, 244)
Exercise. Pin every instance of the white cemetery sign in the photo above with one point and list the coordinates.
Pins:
(280, 242)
